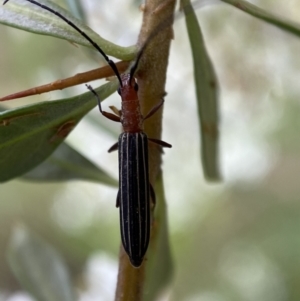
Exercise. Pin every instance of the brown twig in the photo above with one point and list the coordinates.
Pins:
(77, 79)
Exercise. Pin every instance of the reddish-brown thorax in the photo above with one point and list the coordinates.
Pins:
(131, 118)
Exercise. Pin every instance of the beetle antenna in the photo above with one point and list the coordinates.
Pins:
(94, 44)
(162, 25)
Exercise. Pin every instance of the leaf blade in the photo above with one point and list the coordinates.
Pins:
(255, 11)
(31, 133)
(38, 267)
(207, 95)
(67, 164)
(26, 16)
(159, 255)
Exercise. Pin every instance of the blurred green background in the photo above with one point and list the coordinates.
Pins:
(236, 240)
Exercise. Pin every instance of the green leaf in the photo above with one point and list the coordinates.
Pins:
(67, 164)
(38, 267)
(26, 16)
(207, 95)
(159, 254)
(255, 11)
(31, 133)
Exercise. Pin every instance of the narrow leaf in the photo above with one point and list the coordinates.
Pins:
(27, 16)
(282, 23)
(67, 164)
(207, 95)
(38, 267)
(31, 133)
(159, 256)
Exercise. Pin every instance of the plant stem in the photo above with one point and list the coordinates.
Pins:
(151, 76)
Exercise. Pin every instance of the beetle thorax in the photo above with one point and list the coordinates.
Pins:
(131, 119)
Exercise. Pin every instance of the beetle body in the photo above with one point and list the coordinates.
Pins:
(134, 186)
(134, 195)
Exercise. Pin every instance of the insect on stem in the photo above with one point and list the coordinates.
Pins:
(135, 191)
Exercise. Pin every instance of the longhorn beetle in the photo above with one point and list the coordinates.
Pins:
(134, 186)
